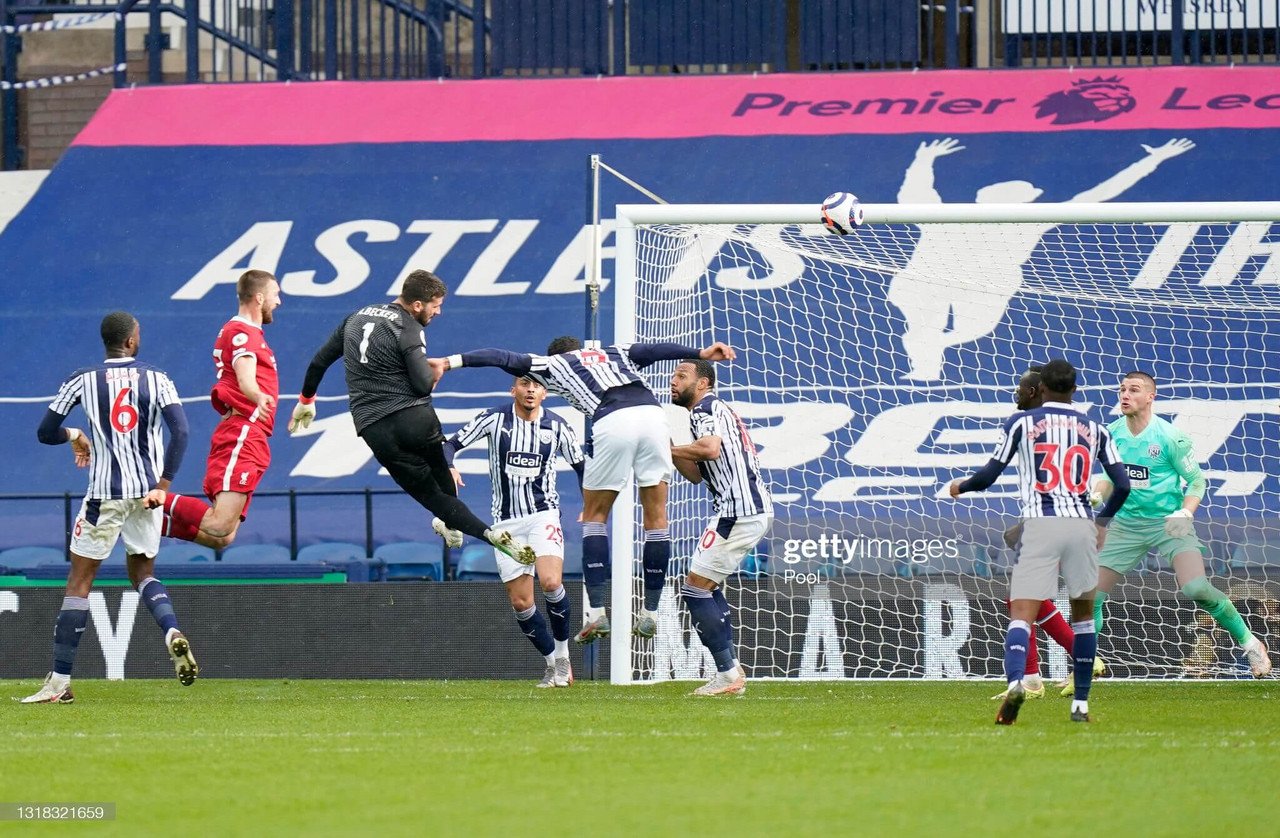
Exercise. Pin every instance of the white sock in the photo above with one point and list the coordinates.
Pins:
(168, 635)
(562, 648)
(551, 659)
(592, 614)
(59, 682)
(1079, 706)
(653, 615)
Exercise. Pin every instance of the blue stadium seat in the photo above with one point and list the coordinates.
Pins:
(256, 554)
(971, 559)
(1253, 555)
(351, 559)
(21, 558)
(477, 564)
(173, 552)
(412, 560)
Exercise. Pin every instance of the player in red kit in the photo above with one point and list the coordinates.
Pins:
(245, 396)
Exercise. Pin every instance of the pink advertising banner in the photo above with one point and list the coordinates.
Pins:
(944, 102)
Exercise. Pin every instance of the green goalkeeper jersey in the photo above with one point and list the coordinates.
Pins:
(1158, 461)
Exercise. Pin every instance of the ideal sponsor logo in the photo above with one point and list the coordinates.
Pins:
(519, 459)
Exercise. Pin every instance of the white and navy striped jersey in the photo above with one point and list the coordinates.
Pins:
(122, 400)
(522, 458)
(584, 376)
(734, 478)
(595, 381)
(1057, 447)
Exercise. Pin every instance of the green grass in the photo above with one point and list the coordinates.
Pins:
(431, 758)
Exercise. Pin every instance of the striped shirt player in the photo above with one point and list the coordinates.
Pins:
(723, 457)
(525, 443)
(629, 437)
(522, 459)
(126, 404)
(744, 506)
(1056, 446)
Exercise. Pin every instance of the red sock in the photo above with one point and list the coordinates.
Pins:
(1055, 625)
(182, 516)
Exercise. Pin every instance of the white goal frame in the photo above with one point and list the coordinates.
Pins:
(631, 216)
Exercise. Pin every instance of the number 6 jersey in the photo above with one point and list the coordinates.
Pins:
(123, 400)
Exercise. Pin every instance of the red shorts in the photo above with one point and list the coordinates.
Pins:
(238, 457)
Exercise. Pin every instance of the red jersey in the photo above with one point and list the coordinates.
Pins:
(237, 338)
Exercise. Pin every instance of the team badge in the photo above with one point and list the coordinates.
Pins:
(240, 340)
(1153, 451)
(545, 436)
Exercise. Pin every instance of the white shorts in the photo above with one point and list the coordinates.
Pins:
(632, 440)
(725, 543)
(1051, 546)
(101, 522)
(541, 531)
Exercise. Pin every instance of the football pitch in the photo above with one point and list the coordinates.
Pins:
(485, 757)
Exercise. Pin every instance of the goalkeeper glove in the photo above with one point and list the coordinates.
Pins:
(1096, 500)
(303, 413)
(1178, 524)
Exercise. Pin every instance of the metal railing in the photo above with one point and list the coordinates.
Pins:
(259, 40)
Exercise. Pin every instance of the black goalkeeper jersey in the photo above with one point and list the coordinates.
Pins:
(385, 356)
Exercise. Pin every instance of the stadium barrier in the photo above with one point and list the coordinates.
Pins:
(942, 627)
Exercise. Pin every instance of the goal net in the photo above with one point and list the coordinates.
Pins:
(874, 368)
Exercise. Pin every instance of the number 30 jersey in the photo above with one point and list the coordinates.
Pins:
(122, 400)
(1057, 447)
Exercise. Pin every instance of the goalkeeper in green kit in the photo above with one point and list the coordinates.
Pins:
(1158, 514)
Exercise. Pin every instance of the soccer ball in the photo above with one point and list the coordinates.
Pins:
(841, 212)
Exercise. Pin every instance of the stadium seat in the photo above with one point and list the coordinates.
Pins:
(1254, 555)
(412, 560)
(477, 564)
(351, 559)
(178, 552)
(21, 558)
(256, 554)
(972, 559)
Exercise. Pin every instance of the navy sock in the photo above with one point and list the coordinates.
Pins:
(558, 611)
(1083, 651)
(67, 630)
(158, 603)
(656, 555)
(535, 628)
(1015, 650)
(595, 563)
(723, 605)
(712, 629)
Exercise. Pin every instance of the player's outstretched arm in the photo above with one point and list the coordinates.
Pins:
(514, 363)
(644, 354)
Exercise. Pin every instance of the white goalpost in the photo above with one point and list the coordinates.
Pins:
(873, 368)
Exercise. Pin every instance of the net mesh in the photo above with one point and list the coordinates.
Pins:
(876, 367)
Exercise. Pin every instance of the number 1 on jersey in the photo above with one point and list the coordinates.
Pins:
(365, 332)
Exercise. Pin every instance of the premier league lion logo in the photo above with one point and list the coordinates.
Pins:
(1088, 100)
